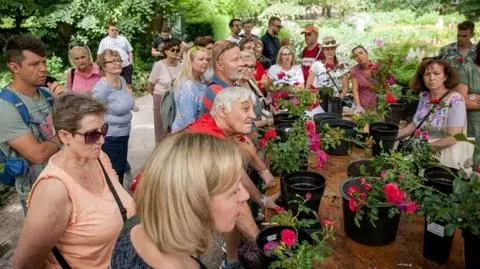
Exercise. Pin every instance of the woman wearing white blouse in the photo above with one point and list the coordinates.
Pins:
(285, 72)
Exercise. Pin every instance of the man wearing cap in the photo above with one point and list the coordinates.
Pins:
(157, 46)
(313, 51)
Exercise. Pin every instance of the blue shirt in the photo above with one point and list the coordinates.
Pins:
(119, 103)
(188, 101)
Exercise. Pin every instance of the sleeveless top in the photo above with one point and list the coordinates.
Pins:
(95, 221)
(368, 98)
(125, 255)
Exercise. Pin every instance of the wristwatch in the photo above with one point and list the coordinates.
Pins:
(472, 97)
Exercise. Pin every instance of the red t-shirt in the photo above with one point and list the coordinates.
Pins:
(259, 72)
(206, 125)
(309, 57)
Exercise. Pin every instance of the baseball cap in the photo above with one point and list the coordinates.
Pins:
(310, 29)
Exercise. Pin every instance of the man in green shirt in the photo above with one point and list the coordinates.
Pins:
(36, 142)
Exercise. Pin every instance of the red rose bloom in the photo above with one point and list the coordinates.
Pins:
(435, 100)
(460, 59)
(280, 75)
(354, 205)
(262, 142)
(288, 237)
(393, 194)
(390, 98)
(270, 134)
(310, 125)
(411, 207)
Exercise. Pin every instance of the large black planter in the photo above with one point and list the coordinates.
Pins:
(440, 178)
(335, 105)
(284, 117)
(274, 234)
(301, 183)
(436, 247)
(386, 228)
(284, 130)
(396, 112)
(345, 147)
(353, 168)
(409, 111)
(471, 247)
(384, 135)
(320, 118)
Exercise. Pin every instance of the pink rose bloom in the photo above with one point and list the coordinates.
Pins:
(288, 237)
(393, 194)
(295, 101)
(411, 207)
(308, 196)
(321, 159)
(425, 135)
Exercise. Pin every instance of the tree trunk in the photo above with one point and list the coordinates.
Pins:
(329, 11)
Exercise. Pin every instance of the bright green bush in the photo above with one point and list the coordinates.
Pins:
(220, 26)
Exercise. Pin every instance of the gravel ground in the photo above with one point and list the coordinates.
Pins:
(140, 145)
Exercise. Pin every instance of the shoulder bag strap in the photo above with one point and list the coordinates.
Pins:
(428, 114)
(63, 263)
(72, 76)
(123, 211)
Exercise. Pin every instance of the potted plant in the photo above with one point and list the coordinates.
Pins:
(288, 245)
(337, 136)
(372, 205)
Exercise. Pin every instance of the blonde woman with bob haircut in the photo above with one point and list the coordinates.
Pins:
(285, 71)
(182, 200)
(188, 88)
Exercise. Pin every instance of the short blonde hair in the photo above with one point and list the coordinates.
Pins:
(226, 97)
(280, 51)
(101, 58)
(179, 180)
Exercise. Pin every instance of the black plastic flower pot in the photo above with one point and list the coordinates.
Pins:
(284, 130)
(323, 100)
(273, 234)
(354, 169)
(384, 135)
(436, 246)
(471, 246)
(396, 112)
(440, 178)
(345, 147)
(284, 117)
(321, 117)
(302, 183)
(410, 110)
(335, 106)
(383, 233)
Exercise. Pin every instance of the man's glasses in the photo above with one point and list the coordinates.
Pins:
(308, 34)
(278, 26)
(174, 50)
(333, 42)
(91, 137)
(114, 61)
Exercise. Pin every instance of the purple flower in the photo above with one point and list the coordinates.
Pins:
(270, 246)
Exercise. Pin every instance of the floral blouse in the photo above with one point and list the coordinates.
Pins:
(292, 77)
(450, 112)
(329, 76)
(188, 101)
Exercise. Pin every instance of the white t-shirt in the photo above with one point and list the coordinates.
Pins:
(292, 77)
(162, 76)
(120, 44)
(234, 39)
(322, 79)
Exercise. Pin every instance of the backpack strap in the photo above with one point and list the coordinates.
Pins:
(46, 93)
(12, 98)
(72, 76)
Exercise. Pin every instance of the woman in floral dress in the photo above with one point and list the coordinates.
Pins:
(435, 79)
(286, 72)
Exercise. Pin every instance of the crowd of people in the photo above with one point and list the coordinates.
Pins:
(73, 138)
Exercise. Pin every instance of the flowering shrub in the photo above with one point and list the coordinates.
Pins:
(286, 218)
(296, 102)
(419, 150)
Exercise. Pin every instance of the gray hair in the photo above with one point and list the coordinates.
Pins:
(226, 97)
(247, 56)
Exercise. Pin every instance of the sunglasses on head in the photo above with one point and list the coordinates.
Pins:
(333, 42)
(228, 45)
(91, 137)
(75, 44)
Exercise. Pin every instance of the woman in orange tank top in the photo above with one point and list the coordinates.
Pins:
(71, 207)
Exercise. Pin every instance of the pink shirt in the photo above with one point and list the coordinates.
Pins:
(83, 83)
(95, 222)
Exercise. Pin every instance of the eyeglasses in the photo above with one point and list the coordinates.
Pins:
(91, 137)
(228, 45)
(250, 67)
(329, 48)
(332, 42)
(174, 50)
(308, 34)
(114, 61)
(286, 54)
(278, 25)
